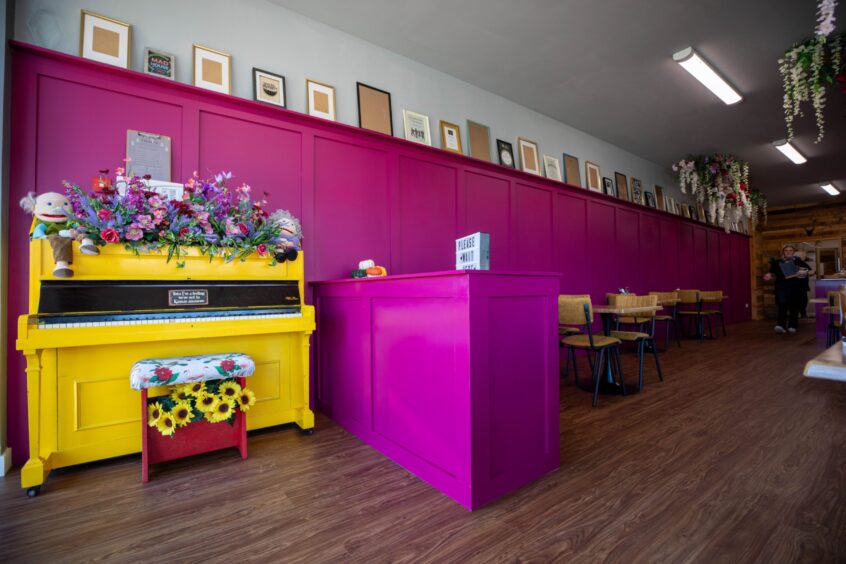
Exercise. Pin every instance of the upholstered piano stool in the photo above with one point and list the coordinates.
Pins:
(200, 436)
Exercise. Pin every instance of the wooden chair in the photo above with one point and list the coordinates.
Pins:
(576, 310)
(833, 309)
(628, 320)
(690, 307)
(713, 297)
(639, 338)
(565, 330)
(671, 319)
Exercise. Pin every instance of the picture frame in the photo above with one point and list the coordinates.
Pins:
(649, 198)
(478, 141)
(637, 191)
(694, 213)
(552, 168)
(320, 100)
(212, 69)
(374, 109)
(593, 178)
(608, 187)
(679, 208)
(572, 172)
(686, 211)
(529, 160)
(450, 137)
(700, 211)
(671, 205)
(622, 186)
(506, 153)
(104, 39)
(269, 88)
(659, 198)
(416, 127)
(159, 63)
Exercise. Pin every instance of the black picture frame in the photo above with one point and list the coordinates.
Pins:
(504, 147)
(358, 87)
(608, 187)
(257, 98)
(650, 199)
(570, 170)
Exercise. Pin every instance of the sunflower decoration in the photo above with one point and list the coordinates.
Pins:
(182, 413)
(206, 402)
(222, 411)
(246, 399)
(196, 388)
(166, 424)
(229, 390)
(154, 412)
(181, 393)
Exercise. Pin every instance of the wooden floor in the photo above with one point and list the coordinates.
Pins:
(735, 458)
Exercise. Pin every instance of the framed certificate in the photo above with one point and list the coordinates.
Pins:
(148, 153)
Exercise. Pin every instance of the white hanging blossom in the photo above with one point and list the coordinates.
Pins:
(825, 17)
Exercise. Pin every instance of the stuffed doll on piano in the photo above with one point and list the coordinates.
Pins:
(51, 211)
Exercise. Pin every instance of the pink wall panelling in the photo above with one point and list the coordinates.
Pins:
(359, 194)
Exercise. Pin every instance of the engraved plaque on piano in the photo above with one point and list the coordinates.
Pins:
(193, 297)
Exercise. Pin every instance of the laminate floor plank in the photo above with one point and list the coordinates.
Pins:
(734, 458)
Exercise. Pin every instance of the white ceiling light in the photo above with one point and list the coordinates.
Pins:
(829, 187)
(790, 151)
(693, 63)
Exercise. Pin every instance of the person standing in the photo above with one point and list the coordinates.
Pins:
(790, 274)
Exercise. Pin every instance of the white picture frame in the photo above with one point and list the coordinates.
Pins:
(552, 168)
(104, 39)
(212, 69)
(320, 100)
(416, 127)
(529, 159)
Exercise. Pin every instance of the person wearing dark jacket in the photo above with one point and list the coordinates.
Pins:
(790, 274)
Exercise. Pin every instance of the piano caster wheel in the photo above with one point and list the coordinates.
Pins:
(307, 432)
(33, 491)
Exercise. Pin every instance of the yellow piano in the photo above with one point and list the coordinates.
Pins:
(83, 334)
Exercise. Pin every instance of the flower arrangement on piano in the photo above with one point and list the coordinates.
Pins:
(214, 401)
(210, 216)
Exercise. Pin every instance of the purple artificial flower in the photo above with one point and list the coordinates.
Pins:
(134, 232)
(145, 222)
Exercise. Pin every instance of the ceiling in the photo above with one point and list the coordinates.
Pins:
(606, 67)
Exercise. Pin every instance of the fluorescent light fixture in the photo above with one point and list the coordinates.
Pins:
(829, 187)
(693, 63)
(790, 151)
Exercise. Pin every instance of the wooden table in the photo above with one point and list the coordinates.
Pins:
(830, 365)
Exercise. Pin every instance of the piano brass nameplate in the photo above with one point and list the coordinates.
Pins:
(187, 297)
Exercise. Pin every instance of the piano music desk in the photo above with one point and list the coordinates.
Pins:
(80, 405)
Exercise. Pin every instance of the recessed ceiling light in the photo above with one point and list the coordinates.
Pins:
(829, 187)
(693, 63)
(790, 151)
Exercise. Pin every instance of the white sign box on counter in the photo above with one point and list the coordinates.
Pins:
(473, 252)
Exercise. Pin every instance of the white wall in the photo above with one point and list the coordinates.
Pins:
(263, 35)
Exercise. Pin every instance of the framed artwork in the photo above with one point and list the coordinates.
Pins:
(159, 63)
(637, 191)
(505, 152)
(450, 137)
(650, 199)
(212, 69)
(622, 186)
(320, 99)
(686, 210)
(659, 197)
(608, 187)
(694, 213)
(416, 127)
(374, 109)
(671, 205)
(269, 88)
(529, 161)
(679, 208)
(552, 168)
(593, 179)
(572, 173)
(104, 40)
(700, 210)
(478, 140)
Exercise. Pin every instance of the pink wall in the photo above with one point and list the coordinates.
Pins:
(359, 194)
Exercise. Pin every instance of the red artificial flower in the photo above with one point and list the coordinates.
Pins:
(261, 249)
(227, 365)
(183, 232)
(163, 374)
(743, 186)
(110, 235)
(244, 229)
(104, 214)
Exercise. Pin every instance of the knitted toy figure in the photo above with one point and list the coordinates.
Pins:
(51, 211)
(290, 238)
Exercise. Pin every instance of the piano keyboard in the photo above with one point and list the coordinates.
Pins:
(125, 319)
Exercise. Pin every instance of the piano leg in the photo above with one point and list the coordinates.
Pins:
(305, 416)
(36, 468)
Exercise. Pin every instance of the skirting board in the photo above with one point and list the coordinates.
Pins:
(5, 462)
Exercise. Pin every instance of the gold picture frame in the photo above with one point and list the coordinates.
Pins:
(212, 69)
(450, 137)
(320, 100)
(104, 39)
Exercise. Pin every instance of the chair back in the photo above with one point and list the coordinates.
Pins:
(711, 296)
(665, 296)
(689, 296)
(571, 309)
(834, 298)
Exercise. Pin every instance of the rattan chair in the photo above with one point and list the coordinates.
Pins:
(639, 338)
(576, 310)
(690, 307)
(671, 319)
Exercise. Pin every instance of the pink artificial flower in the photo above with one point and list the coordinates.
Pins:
(231, 228)
(119, 171)
(155, 202)
(261, 249)
(110, 235)
(104, 214)
(158, 215)
(134, 232)
(144, 222)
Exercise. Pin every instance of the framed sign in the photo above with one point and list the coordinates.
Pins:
(608, 187)
(416, 127)
(450, 137)
(374, 109)
(269, 88)
(212, 69)
(552, 168)
(148, 153)
(505, 152)
(320, 99)
(104, 40)
(159, 63)
(637, 191)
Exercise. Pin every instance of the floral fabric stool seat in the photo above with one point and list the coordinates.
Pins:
(203, 410)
